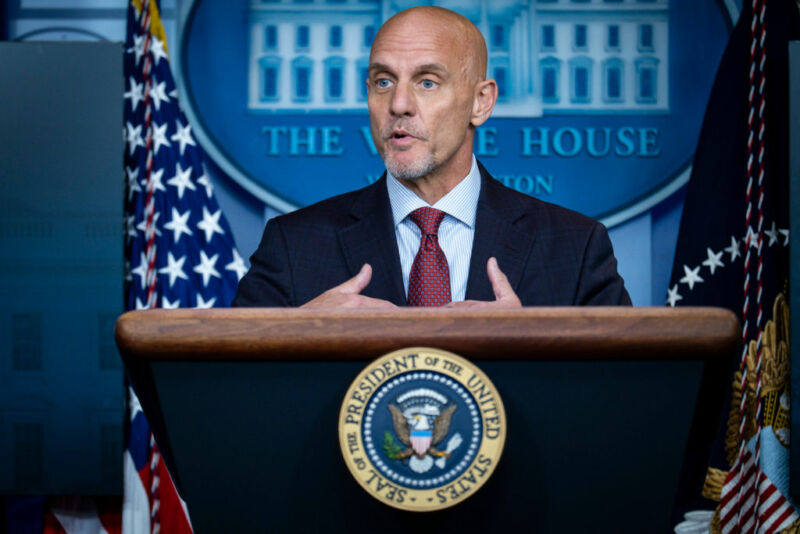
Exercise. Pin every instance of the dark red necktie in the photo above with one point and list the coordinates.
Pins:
(429, 281)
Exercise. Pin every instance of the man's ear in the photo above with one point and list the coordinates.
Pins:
(484, 101)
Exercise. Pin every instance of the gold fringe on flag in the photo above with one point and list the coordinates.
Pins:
(734, 418)
(774, 383)
(712, 488)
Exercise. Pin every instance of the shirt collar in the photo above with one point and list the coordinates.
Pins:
(461, 202)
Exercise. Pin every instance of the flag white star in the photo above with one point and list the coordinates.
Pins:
(772, 234)
(237, 265)
(138, 47)
(182, 180)
(157, 48)
(206, 267)
(673, 296)
(183, 135)
(140, 305)
(159, 137)
(210, 224)
(713, 260)
(203, 304)
(785, 233)
(733, 250)
(133, 136)
(130, 227)
(174, 94)
(205, 182)
(155, 181)
(178, 224)
(135, 93)
(167, 305)
(133, 403)
(158, 92)
(141, 270)
(751, 237)
(143, 224)
(174, 268)
(133, 181)
(692, 277)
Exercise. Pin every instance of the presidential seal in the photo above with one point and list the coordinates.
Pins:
(422, 429)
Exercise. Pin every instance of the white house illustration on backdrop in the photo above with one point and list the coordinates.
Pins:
(548, 56)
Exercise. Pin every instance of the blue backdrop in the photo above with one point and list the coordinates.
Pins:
(600, 111)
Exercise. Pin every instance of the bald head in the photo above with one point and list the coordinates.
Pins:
(452, 30)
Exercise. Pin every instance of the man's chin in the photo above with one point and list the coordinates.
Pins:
(411, 170)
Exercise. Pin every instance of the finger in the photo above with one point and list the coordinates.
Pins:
(332, 300)
(341, 300)
(369, 302)
(502, 289)
(356, 284)
(463, 304)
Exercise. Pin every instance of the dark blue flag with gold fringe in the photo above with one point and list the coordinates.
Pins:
(733, 252)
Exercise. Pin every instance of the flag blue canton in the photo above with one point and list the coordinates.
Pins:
(195, 262)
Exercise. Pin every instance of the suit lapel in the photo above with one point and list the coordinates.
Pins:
(371, 239)
(496, 236)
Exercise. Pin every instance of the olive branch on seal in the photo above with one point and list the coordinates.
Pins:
(392, 448)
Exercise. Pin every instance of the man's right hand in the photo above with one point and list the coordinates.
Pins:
(346, 295)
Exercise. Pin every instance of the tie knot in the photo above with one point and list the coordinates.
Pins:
(428, 220)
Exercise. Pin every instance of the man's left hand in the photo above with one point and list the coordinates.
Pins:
(503, 293)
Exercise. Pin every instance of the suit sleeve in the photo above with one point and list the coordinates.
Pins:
(268, 283)
(600, 284)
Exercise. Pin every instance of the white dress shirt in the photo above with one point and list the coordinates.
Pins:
(455, 233)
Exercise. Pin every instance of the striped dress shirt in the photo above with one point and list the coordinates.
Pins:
(455, 233)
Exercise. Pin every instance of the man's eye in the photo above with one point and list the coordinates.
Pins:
(428, 84)
(383, 83)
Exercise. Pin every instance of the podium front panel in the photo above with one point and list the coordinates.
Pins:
(601, 414)
(590, 445)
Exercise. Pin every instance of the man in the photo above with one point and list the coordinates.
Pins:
(436, 228)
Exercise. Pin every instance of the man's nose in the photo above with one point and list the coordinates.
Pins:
(403, 102)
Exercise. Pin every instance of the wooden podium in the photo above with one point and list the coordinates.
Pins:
(604, 408)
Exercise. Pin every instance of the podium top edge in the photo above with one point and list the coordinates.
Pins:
(528, 333)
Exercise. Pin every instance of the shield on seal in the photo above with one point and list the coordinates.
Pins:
(421, 441)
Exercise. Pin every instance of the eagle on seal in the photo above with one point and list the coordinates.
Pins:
(415, 432)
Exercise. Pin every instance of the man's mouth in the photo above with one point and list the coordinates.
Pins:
(401, 139)
(401, 134)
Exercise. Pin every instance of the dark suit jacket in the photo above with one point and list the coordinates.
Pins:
(552, 256)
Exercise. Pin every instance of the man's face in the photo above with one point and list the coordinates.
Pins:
(421, 92)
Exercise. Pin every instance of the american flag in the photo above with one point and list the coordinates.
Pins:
(178, 246)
